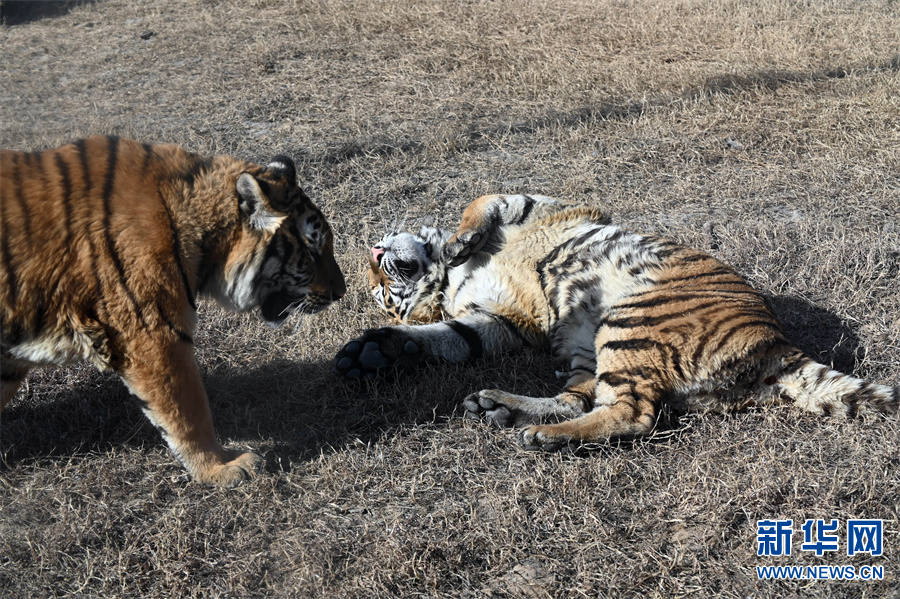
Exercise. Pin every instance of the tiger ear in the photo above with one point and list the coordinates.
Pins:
(284, 167)
(255, 206)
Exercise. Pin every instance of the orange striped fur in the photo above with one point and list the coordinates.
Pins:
(641, 322)
(105, 246)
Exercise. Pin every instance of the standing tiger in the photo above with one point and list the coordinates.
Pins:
(640, 321)
(105, 246)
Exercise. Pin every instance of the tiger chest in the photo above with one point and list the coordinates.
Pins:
(504, 284)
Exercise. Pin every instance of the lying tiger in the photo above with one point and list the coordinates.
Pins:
(640, 321)
(105, 246)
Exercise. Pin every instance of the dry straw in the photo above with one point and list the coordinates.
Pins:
(401, 109)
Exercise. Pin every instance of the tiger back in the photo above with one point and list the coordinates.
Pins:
(640, 321)
(107, 243)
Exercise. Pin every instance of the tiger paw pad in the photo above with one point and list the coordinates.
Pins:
(376, 351)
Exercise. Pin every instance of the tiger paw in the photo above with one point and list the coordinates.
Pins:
(484, 405)
(241, 467)
(376, 351)
(543, 438)
(461, 247)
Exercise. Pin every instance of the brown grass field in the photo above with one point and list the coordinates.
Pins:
(400, 109)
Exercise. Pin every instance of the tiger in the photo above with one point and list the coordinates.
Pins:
(106, 246)
(641, 322)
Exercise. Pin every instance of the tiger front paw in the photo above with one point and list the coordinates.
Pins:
(376, 351)
(242, 466)
(461, 247)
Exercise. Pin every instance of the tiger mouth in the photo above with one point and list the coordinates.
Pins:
(276, 307)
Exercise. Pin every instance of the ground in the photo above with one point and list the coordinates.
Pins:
(767, 133)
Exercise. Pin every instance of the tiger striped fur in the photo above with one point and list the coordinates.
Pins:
(106, 244)
(640, 321)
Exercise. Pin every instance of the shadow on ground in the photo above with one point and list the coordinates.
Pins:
(819, 333)
(292, 411)
(19, 12)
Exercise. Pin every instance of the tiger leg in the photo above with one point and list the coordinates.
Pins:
(11, 377)
(510, 410)
(633, 375)
(485, 215)
(624, 408)
(167, 380)
(453, 341)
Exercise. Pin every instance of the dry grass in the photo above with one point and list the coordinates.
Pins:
(398, 109)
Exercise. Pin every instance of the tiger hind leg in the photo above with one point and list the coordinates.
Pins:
(627, 417)
(590, 410)
(504, 409)
(622, 409)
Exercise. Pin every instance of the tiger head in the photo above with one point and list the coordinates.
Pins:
(401, 265)
(287, 262)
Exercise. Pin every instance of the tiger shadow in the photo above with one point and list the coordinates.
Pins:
(291, 411)
(78, 410)
(819, 333)
(21, 12)
(70, 410)
(288, 411)
(349, 413)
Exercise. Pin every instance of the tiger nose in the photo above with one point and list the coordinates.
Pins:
(377, 253)
(339, 288)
